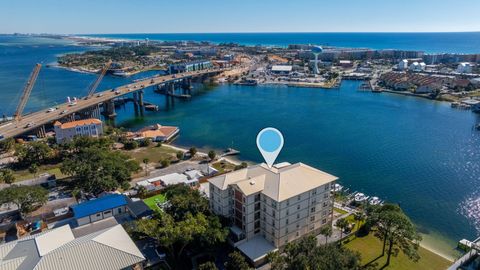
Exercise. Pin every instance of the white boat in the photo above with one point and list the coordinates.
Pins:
(374, 201)
(337, 188)
(360, 197)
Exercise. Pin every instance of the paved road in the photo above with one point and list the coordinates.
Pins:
(37, 119)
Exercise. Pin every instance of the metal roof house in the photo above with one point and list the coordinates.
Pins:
(98, 209)
(58, 249)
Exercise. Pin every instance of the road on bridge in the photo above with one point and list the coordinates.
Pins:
(37, 119)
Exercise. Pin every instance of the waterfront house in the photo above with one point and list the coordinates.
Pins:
(58, 249)
(99, 209)
(88, 127)
(271, 207)
(158, 133)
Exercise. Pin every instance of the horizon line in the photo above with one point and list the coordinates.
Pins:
(253, 32)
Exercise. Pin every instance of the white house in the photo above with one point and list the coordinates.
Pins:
(415, 66)
(88, 127)
(403, 65)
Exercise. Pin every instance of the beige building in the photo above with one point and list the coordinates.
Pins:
(88, 127)
(270, 207)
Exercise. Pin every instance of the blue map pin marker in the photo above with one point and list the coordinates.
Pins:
(270, 143)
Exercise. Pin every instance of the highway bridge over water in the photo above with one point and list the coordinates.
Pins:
(35, 122)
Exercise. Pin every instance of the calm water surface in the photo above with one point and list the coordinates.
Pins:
(419, 153)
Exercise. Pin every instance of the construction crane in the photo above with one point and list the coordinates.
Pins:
(96, 83)
(26, 92)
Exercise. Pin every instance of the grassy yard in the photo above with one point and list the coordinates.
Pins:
(340, 211)
(21, 175)
(152, 201)
(153, 153)
(370, 248)
(223, 166)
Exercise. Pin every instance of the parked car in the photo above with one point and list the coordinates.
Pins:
(64, 112)
(2, 137)
(29, 125)
(51, 110)
(99, 95)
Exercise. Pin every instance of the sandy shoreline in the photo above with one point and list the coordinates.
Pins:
(203, 154)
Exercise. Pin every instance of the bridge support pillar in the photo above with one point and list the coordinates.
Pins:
(41, 133)
(140, 98)
(109, 109)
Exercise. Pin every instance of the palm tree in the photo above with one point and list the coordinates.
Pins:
(146, 161)
(342, 224)
(360, 218)
(327, 232)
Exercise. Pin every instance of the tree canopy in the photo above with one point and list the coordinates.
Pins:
(7, 176)
(188, 224)
(96, 170)
(396, 230)
(305, 254)
(236, 261)
(26, 198)
(33, 153)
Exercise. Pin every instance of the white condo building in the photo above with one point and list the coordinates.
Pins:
(89, 127)
(464, 68)
(271, 207)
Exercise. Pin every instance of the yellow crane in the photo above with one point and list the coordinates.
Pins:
(96, 83)
(26, 92)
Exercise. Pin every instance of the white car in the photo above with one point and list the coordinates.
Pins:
(64, 112)
(72, 104)
(51, 110)
(99, 95)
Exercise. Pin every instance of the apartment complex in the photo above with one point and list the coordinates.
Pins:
(89, 127)
(271, 207)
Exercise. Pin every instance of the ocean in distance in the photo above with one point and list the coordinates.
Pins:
(462, 42)
(419, 153)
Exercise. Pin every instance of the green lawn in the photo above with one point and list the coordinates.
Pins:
(223, 166)
(153, 153)
(21, 175)
(340, 211)
(152, 201)
(370, 248)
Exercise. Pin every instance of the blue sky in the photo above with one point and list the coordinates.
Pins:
(191, 16)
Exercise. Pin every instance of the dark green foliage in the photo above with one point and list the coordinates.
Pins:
(305, 254)
(27, 198)
(130, 145)
(7, 176)
(396, 230)
(186, 223)
(236, 261)
(207, 266)
(192, 151)
(96, 170)
(212, 155)
(165, 163)
(33, 153)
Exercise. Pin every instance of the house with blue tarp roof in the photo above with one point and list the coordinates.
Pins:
(98, 209)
